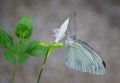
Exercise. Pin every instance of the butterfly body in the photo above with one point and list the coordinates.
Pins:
(80, 56)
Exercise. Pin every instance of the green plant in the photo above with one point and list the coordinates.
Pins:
(18, 53)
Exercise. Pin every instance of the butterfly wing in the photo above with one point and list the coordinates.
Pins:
(81, 57)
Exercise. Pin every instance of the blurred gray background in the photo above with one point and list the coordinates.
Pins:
(98, 24)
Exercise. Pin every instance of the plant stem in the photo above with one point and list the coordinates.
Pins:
(50, 50)
(13, 74)
(42, 67)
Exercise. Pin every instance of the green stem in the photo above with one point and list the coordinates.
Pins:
(14, 67)
(13, 74)
(43, 64)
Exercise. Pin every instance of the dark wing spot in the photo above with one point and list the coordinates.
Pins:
(104, 64)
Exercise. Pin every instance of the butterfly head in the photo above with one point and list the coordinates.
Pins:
(69, 41)
(73, 37)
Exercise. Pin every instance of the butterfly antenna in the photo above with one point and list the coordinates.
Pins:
(69, 29)
(75, 22)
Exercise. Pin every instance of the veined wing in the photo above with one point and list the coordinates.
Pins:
(95, 54)
(81, 57)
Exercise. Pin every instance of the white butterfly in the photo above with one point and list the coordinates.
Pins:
(60, 32)
(80, 56)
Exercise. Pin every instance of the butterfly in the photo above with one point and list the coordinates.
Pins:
(60, 32)
(80, 56)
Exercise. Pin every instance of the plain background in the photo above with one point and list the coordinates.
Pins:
(97, 22)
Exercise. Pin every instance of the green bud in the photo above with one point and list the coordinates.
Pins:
(60, 44)
(43, 44)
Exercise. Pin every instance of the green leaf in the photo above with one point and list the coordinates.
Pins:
(16, 55)
(36, 48)
(10, 56)
(24, 28)
(22, 58)
(5, 39)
